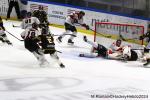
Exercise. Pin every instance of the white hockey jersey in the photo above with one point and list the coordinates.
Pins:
(27, 22)
(30, 33)
(114, 47)
(74, 19)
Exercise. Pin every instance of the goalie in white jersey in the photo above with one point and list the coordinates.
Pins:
(121, 52)
(115, 50)
(28, 21)
(30, 43)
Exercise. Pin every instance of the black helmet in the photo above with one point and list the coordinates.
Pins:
(41, 7)
(82, 12)
(29, 14)
(35, 25)
(119, 40)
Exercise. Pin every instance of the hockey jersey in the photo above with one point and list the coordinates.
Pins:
(47, 43)
(27, 22)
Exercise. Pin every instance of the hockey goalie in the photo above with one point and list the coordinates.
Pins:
(115, 51)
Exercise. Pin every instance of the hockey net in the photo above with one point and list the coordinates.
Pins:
(129, 33)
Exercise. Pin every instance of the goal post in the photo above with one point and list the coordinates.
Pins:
(129, 33)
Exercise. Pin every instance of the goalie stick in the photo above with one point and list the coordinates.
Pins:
(14, 36)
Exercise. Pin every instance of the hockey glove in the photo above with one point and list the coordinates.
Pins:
(86, 26)
(141, 38)
(146, 50)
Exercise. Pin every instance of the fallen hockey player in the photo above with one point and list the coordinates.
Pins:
(116, 51)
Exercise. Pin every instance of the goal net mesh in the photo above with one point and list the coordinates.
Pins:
(128, 33)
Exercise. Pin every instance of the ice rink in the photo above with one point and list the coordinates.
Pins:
(21, 78)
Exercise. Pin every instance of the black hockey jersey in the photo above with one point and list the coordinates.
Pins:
(101, 50)
(41, 15)
(47, 43)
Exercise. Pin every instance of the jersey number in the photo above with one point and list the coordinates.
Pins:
(50, 39)
(31, 34)
(28, 20)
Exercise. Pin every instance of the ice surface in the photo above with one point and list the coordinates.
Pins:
(21, 78)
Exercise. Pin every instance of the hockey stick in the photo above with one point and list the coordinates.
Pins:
(65, 34)
(14, 25)
(139, 49)
(107, 36)
(132, 39)
(14, 36)
(58, 51)
(122, 38)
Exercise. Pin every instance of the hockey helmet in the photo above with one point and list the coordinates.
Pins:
(82, 13)
(118, 42)
(41, 7)
(23, 14)
(29, 14)
(35, 25)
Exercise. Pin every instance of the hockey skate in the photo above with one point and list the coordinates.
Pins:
(44, 64)
(59, 39)
(147, 63)
(81, 55)
(70, 42)
(62, 65)
(8, 42)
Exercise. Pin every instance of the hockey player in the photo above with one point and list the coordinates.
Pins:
(41, 15)
(48, 46)
(28, 21)
(115, 50)
(119, 52)
(99, 50)
(147, 36)
(70, 22)
(3, 36)
(146, 56)
(31, 44)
